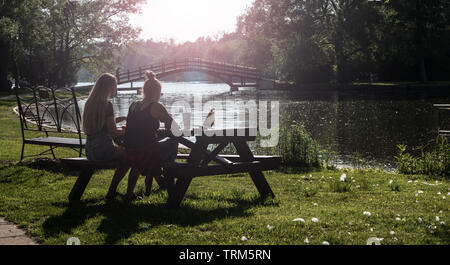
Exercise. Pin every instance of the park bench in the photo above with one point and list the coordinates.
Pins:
(42, 111)
(197, 164)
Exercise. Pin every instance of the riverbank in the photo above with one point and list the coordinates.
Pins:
(309, 208)
(386, 90)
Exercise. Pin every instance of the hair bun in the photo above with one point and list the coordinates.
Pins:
(150, 75)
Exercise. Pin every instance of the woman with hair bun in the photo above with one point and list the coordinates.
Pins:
(145, 153)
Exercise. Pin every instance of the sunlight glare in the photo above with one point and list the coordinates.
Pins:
(185, 20)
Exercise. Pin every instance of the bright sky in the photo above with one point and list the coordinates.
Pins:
(186, 20)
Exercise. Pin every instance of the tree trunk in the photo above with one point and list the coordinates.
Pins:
(420, 40)
(5, 84)
(339, 50)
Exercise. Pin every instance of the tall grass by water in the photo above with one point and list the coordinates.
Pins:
(435, 163)
(296, 146)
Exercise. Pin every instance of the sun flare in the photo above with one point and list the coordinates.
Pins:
(185, 20)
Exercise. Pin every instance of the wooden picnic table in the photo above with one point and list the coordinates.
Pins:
(199, 158)
(198, 163)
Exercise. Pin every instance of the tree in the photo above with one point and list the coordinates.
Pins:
(49, 40)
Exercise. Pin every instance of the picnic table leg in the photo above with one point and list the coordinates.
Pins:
(177, 191)
(257, 176)
(81, 184)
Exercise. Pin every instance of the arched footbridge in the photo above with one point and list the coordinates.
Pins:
(235, 76)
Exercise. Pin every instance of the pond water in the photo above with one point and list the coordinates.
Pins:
(352, 123)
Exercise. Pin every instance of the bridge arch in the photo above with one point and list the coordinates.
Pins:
(228, 73)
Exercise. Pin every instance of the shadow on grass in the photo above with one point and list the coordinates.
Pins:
(49, 165)
(122, 219)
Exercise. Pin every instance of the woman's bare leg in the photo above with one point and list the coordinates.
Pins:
(118, 175)
(148, 185)
(132, 180)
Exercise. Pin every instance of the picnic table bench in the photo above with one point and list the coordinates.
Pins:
(197, 163)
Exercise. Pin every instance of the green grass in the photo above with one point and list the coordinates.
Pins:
(221, 209)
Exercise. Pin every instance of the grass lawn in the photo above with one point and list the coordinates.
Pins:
(402, 209)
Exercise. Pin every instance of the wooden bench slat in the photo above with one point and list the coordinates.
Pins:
(185, 169)
(82, 163)
(57, 142)
(236, 158)
(261, 163)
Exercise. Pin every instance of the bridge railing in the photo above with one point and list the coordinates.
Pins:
(138, 73)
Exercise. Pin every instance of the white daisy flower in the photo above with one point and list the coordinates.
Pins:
(299, 220)
(325, 243)
(306, 241)
(343, 177)
(392, 233)
(269, 227)
(314, 220)
(367, 213)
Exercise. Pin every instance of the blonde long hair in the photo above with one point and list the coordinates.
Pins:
(95, 108)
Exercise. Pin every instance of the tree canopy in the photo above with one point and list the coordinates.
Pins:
(302, 41)
(318, 40)
(47, 41)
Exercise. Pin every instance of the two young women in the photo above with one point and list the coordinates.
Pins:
(142, 151)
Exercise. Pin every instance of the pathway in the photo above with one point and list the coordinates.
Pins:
(10, 234)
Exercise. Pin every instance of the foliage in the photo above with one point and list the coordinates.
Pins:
(435, 163)
(295, 146)
(48, 41)
(349, 40)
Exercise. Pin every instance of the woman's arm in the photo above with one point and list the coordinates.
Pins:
(160, 112)
(112, 129)
(121, 119)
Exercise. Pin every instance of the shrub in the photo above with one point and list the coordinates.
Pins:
(435, 163)
(295, 146)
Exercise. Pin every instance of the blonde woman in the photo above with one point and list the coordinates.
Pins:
(99, 124)
(144, 150)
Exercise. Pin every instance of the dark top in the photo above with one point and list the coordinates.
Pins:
(141, 127)
(109, 109)
(109, 112)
